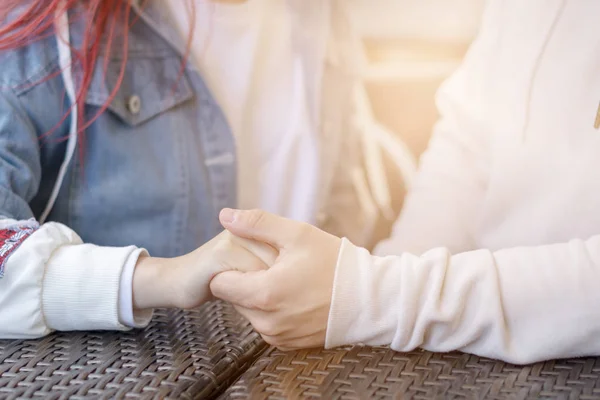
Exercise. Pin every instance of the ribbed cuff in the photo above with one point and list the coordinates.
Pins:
(127, 315)
(343, 298)
(81, 287)
(364, 299)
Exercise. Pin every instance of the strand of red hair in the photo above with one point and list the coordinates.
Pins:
(102, 17)
(37, 22)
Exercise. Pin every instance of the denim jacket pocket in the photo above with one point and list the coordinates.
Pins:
(149, 87)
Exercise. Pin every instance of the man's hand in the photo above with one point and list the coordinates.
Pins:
(183, 282)
(289, 303)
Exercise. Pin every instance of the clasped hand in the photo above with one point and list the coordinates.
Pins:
(276, 272)
(288, 303)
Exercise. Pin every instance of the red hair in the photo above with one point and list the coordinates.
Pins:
(36, 22)
(102, 18)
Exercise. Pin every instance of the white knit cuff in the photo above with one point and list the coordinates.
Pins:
(364, 306)
(343, 299)
(127, 315)
(81, 287)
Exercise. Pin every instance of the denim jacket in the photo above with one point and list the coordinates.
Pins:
(154, 169)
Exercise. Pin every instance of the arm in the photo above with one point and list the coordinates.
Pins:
(517, 304)
(51, 280)
(454, 168)
(520, 305)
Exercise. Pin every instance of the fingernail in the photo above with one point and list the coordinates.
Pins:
(228, 216)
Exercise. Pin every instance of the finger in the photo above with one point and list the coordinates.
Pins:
(264, 251)
(241, 288)
(281, 329)
(261, 226)
(231, 254)
(247, 313)
(263, 322)
(242, 260)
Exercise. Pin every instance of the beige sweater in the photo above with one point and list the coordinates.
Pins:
(497, 252)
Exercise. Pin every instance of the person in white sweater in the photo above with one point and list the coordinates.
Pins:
(497, 250)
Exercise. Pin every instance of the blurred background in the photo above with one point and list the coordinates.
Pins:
(411, 46)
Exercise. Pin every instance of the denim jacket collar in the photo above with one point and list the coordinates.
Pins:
(151, 13)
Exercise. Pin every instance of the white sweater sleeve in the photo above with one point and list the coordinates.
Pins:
(49, 279)
(53, 281)
(520, 305)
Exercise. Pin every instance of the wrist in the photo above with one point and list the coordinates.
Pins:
(152, 286)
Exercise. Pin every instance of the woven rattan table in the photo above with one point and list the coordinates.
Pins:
(366, 373)
(182, 355)
(206, 353)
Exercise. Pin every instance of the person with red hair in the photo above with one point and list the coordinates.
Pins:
(127, 125)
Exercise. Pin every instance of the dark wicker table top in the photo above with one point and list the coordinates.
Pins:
(201, 354)
(182, 355)
(379, 373)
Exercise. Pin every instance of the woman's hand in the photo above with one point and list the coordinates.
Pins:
(183, 282)
(289, 303)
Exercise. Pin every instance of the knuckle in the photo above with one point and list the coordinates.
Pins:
(302, 234)
(266, 299)
(270, 340)
(274, 341)
(219, 287)
(254, 218)
(269, 328)
(221, 243)
(220, 248)
(226, 240)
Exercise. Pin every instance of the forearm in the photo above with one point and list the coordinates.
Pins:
(520, 305)
(53, 281)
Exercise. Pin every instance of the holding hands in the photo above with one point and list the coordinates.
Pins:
(288, 303)
(277, 273)
(183, 282)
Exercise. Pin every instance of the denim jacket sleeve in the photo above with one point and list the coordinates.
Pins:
(49, 279)
(20, 169)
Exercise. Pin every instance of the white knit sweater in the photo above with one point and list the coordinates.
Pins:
(497, 252)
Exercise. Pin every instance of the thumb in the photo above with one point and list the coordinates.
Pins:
(262, 226)
(239, 288)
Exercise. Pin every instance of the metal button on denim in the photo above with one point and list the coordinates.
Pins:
(134, 104)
